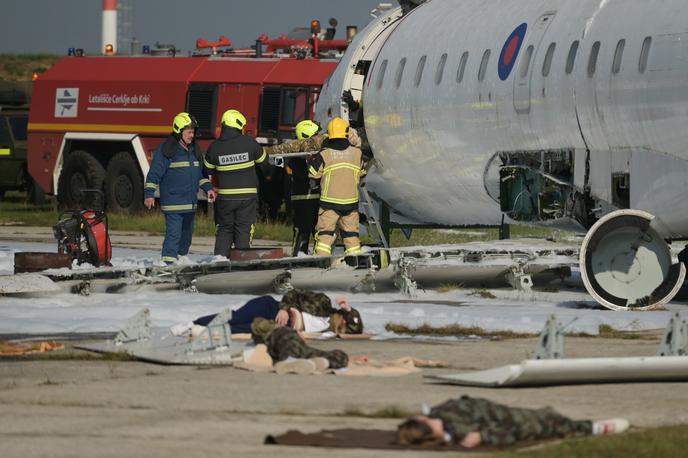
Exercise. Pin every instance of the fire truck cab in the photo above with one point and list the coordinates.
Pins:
(96, 121)
(14, 116)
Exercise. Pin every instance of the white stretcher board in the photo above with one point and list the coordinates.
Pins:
(569, 371)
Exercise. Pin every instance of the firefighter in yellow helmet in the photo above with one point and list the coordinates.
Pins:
(305, 193)
(339, 167)
(232, 159)
(177, 172)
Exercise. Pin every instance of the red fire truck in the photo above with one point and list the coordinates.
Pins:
(95, 121)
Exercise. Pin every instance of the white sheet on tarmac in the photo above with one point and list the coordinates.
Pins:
(569, 371)
(26, 283)
(509, 310)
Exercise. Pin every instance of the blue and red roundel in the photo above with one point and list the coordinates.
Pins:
(512, 45)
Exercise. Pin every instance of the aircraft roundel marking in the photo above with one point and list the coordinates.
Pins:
(512, 45)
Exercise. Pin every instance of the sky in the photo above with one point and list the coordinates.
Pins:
(53, 26)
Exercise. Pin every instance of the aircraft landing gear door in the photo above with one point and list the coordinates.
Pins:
(527, 58)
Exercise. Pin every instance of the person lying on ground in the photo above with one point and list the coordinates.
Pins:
(284, 342)
(304, 310)
(470, 422)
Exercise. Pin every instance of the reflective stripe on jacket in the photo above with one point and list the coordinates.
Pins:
(339, 172)
(232, 158)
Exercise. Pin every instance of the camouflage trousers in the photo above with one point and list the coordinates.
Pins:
(285, 342)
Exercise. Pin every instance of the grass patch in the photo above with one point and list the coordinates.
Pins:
(16, 212)
(671, 441)
(385, 412)
(457, 330)
(447, 236)
(49, 382)
(483, 293)
(446, 287)
(610, 333)
(426, 329)
(20, 67)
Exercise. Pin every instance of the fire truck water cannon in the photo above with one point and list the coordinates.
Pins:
(223, 42)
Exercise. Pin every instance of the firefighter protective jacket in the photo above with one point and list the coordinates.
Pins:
(339, 167)
(232, 159)
(177, 173)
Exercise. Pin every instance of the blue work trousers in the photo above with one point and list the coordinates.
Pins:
(260, 307)
(178, 233)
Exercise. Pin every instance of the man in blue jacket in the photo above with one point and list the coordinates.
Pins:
(177, 171)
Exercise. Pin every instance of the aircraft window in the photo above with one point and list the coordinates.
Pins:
(400, 71)
(618, 56)
(525, 63)
(644, 53)
(571, 59)
(440, 69)
(381, 75)
(419, 69)
(462, 67)
(547, 64)
(483, 65)
(592, 60)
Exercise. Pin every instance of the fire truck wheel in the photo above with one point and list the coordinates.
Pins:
(124, 184)
(80, 171)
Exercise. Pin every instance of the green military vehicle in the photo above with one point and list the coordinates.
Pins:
(14, 117)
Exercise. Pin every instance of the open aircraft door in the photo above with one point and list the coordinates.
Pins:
(524, 73)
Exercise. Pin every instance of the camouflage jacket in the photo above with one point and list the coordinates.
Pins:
(502, 425)
(313, 143)
(284, 342)
(317, 304)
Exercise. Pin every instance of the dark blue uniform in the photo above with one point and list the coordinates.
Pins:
(178, 173)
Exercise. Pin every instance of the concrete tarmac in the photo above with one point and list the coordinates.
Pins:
(73, 403)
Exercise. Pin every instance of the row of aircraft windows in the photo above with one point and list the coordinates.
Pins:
(524, 65)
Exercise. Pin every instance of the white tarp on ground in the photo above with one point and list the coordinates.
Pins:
(510, 310)
(575, 370)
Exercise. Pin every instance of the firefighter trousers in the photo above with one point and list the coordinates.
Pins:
(328, 221)
(305, 219)
(178, 233)
(234, 220)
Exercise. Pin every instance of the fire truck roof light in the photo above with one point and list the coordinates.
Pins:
(145, 49)
(315, 26)
(109, 49)
(34, 77)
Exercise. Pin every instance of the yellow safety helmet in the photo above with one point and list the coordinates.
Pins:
(234, 118)
(338, 128)
(306, 129)
(182, 121)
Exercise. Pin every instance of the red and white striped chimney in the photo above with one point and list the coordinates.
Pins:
(109, 25)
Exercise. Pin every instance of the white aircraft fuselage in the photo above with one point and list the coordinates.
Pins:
(547, 111)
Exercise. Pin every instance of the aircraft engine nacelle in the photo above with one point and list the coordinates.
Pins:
(626, 265)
